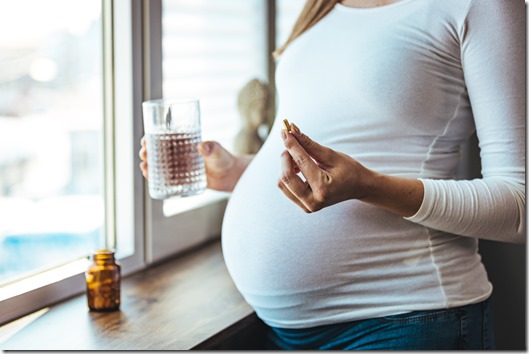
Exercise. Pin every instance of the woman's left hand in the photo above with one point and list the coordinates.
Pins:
(330, 177)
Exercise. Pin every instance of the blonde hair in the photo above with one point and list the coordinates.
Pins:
(313, 11)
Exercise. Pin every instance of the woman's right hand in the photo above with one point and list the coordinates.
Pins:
(143, 158)
(223, 169)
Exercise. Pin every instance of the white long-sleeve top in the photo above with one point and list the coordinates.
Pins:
(399, 88)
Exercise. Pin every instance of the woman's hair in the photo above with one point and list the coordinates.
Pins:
(313, 11)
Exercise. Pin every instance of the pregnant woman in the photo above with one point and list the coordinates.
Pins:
(369, 242)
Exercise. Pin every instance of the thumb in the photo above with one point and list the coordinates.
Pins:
(205, 148)
(318, 152)
(215, 156)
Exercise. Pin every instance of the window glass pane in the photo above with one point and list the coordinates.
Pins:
(211, 49)
(51, 115)
(287, 14)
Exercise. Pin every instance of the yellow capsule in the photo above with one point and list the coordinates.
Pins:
(286, 125)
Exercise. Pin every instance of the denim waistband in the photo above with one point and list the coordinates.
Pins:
(465, 327)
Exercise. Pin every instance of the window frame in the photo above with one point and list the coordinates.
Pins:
(124, 208)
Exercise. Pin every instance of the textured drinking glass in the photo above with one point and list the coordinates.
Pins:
(172, 132)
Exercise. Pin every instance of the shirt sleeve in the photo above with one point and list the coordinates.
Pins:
(493, 51)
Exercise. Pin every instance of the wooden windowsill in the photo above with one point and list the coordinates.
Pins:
(186, 303)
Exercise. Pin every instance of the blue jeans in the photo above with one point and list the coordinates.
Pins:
(467, 327)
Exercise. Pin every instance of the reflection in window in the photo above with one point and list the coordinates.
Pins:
(287, 14)
(211, 50)
(51, 115)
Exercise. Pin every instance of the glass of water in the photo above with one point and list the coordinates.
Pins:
(172, 132)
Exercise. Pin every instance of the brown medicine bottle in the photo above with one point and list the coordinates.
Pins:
(103, 282)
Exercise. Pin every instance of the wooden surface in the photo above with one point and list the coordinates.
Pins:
(186, 303)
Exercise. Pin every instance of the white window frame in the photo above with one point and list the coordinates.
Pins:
(122, 65)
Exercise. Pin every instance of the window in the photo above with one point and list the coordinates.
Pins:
(62, 123)
(51, 119)
(287, 13)
(211, 49)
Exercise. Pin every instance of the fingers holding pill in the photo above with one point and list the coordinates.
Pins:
(314, 176)
(292, 185)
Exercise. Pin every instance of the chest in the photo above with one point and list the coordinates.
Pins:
(376, 68)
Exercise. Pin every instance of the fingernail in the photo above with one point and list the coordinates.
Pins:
(208, 147)
(294, 129)
(284, 134)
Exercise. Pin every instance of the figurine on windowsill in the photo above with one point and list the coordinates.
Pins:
(255, 107)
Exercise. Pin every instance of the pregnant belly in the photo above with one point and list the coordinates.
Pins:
(272, 247)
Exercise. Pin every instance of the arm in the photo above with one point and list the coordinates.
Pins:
(482, 208)
(333, 177)
(493, 57)
(493, 54)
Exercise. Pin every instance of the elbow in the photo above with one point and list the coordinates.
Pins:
(508, 220)
(520, 230)
(517, 235)
(520, 238)
(518, 193)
